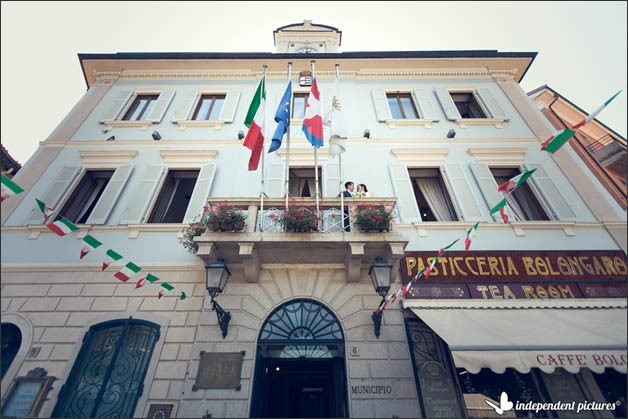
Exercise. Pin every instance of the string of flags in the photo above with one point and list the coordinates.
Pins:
(62, 227)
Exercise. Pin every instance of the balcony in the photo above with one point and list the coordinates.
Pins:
(610, 152)
(264, 240)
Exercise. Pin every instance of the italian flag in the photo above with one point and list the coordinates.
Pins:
(516, 181)
(595, 113)
(501, 207)
(255, 121)
(9, 188)
(467, 240)
(62, 227)
(183, 295)
(150, 278)
(442, 250)
(428, 271)
(127, 271)
(557, 140)
(46, 210)
(111, 257)
(165, 287)
(89, 244)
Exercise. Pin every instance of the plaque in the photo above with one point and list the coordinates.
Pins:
(219, 370)
(27, 394)
(160, 411)
(438, 392)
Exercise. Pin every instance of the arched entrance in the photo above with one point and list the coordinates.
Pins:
(300, 366)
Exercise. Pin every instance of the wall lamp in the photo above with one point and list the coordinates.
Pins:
(240, 135)
(451, 133)
(380, 275)
(216, 277)
(112, 138)
(156, 136)
(367, 133)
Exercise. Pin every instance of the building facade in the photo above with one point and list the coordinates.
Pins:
(537, 307)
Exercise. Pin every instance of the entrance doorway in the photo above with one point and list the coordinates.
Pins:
(300, 366)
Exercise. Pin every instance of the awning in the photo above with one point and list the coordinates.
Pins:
(540, 334)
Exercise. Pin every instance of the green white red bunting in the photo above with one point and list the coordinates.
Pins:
(9, 188)
(595, 113)
(165, 287)
(557, 140)
(442, 250)
(467, 240)
(46, 210)
(183, 295)
(62, 227)
(515, 182)
(150, 278)
(112, 256)
(89, 244)
(501, 208)
(127, 271)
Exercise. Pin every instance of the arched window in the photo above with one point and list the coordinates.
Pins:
(11, 341)
(108, 374)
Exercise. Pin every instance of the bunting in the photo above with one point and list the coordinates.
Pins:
(9, 188)
(127, 271)
(500, 208)
(150, 278)
(62, 227)
(112, 256)
(165, 288)
(46, 210)
(89, 244)
(467, 240)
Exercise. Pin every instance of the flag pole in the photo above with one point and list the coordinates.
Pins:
(342, 192)
(287, 183)
(316, 162)
(263, 125)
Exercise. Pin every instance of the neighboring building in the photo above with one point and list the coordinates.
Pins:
(600, 148)
(8, 165)
(536, 308)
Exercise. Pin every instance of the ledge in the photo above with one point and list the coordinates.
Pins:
(428, 156)
(303, 156)
(499, 155)
(394, 123)
(142, 125)
(187, 158)
(464, 123)
(106, 158)
(217, 125)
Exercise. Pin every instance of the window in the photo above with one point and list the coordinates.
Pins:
(302, 182)
(402, 106)
(209, 107)
(522, 202)
(431, 195)
(11, 341)
(107, 378)
(141, 108)
(174, 197)
(299, 103)
(467, 105)
(82, 201)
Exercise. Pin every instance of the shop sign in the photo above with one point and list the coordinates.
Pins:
(586, 359)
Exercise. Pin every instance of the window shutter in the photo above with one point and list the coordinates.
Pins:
(116, 107)
(144, 195)
(161, 106)
(468, 205)
(380, 102)
(183, 112)
(331, 180)
(488, 185)
(201, 192)
(275, 180)
(406, 201)
(110, 195)
(490, 103)
(230, 106)
(422, 99)
(53, 196)
(447, 103)
(551, 193)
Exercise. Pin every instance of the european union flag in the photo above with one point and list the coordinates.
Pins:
(282, 117)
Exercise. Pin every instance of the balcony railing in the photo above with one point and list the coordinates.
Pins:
(607, 149)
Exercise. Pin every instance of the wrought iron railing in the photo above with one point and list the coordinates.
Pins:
(606, 147)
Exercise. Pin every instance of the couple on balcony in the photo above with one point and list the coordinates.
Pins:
(362, 191)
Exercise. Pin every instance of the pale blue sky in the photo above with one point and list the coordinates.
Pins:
(581, 45)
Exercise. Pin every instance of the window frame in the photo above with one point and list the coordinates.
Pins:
(398, 96)
(531, 190)
(157, 196)
(202, 96)
(472, 97)
(295, 95)
(445, 188)
(310, 169)
(87, 209)
(135, 103)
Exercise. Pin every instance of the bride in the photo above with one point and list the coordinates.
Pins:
(362, 192)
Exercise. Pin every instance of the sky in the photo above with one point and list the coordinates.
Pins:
(581, 45)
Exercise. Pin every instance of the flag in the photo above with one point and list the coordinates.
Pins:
(254, 139)
(500, 207)
(516, 181)
(47, 211)
(467, 240)
(9, 188)
(335, 120)
(127, 271)
(442, 251)
(282, 117)
(183, 295)
(557, 140)
(428, 271)
(313, 120)
(89, 244)
(165, 287)
(595, 113)
(150, 278)
(62, 227)
(111, 257)
(406, 288)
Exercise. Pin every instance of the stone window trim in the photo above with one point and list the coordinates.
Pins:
(188, 122)
(26, 328)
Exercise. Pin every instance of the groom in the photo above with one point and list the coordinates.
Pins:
(347, 193)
